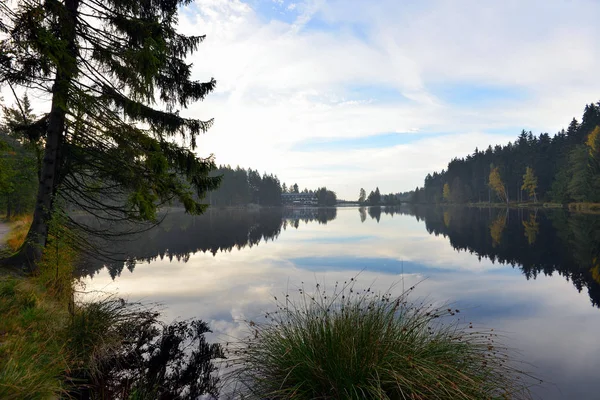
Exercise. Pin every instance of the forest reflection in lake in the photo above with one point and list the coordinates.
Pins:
(532, 274)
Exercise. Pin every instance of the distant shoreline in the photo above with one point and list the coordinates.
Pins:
(584, 208)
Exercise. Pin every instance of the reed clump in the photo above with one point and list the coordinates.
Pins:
(363, 345)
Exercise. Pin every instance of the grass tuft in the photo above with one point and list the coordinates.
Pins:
(363, 345)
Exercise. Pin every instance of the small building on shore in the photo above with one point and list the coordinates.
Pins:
(299, 199)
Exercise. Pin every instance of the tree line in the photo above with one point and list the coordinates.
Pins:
(241, 186)
(325, 197)
(375, 198)
(562, 168)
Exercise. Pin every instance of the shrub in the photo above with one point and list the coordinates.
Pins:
(126, 352)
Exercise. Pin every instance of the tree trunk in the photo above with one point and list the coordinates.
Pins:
(38, 233)
(31, 252)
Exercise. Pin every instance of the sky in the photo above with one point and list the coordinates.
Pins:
(356, 93)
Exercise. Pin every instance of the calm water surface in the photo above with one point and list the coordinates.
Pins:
(533, 275)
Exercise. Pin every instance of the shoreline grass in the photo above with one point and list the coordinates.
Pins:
(54, 347)
(363, 345)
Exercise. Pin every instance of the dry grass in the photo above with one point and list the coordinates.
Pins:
(32, 356)
(19, 227)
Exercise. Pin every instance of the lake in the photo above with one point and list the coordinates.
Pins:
(532, 275)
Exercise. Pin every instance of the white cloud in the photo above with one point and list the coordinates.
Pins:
(280, 83)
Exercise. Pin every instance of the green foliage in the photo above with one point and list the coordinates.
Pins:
(18, 162)
(361, 345)
(579, 185)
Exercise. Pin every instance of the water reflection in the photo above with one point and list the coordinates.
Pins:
(225, 267)
(536, 242)
(219, 230)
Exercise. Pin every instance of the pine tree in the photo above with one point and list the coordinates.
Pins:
(116, 74)
(458, 193)
(580, 182)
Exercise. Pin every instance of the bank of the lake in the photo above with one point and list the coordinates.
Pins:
(58, 342)
(590, 208)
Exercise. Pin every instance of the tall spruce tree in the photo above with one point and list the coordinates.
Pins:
(115, 75)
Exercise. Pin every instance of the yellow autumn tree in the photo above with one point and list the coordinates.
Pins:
(593, 141)
(447, 219)
(495, 182)
(595, 270)
(532, 227)
(446, 192)
(497, 228)
(530, 183)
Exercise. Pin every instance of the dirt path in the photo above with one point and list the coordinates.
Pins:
(4, 252)
(3, 232)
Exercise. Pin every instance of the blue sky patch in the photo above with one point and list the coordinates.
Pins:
(317, 24)
(269, 10)
(339, 239)
(372, 264)
(474, 94)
